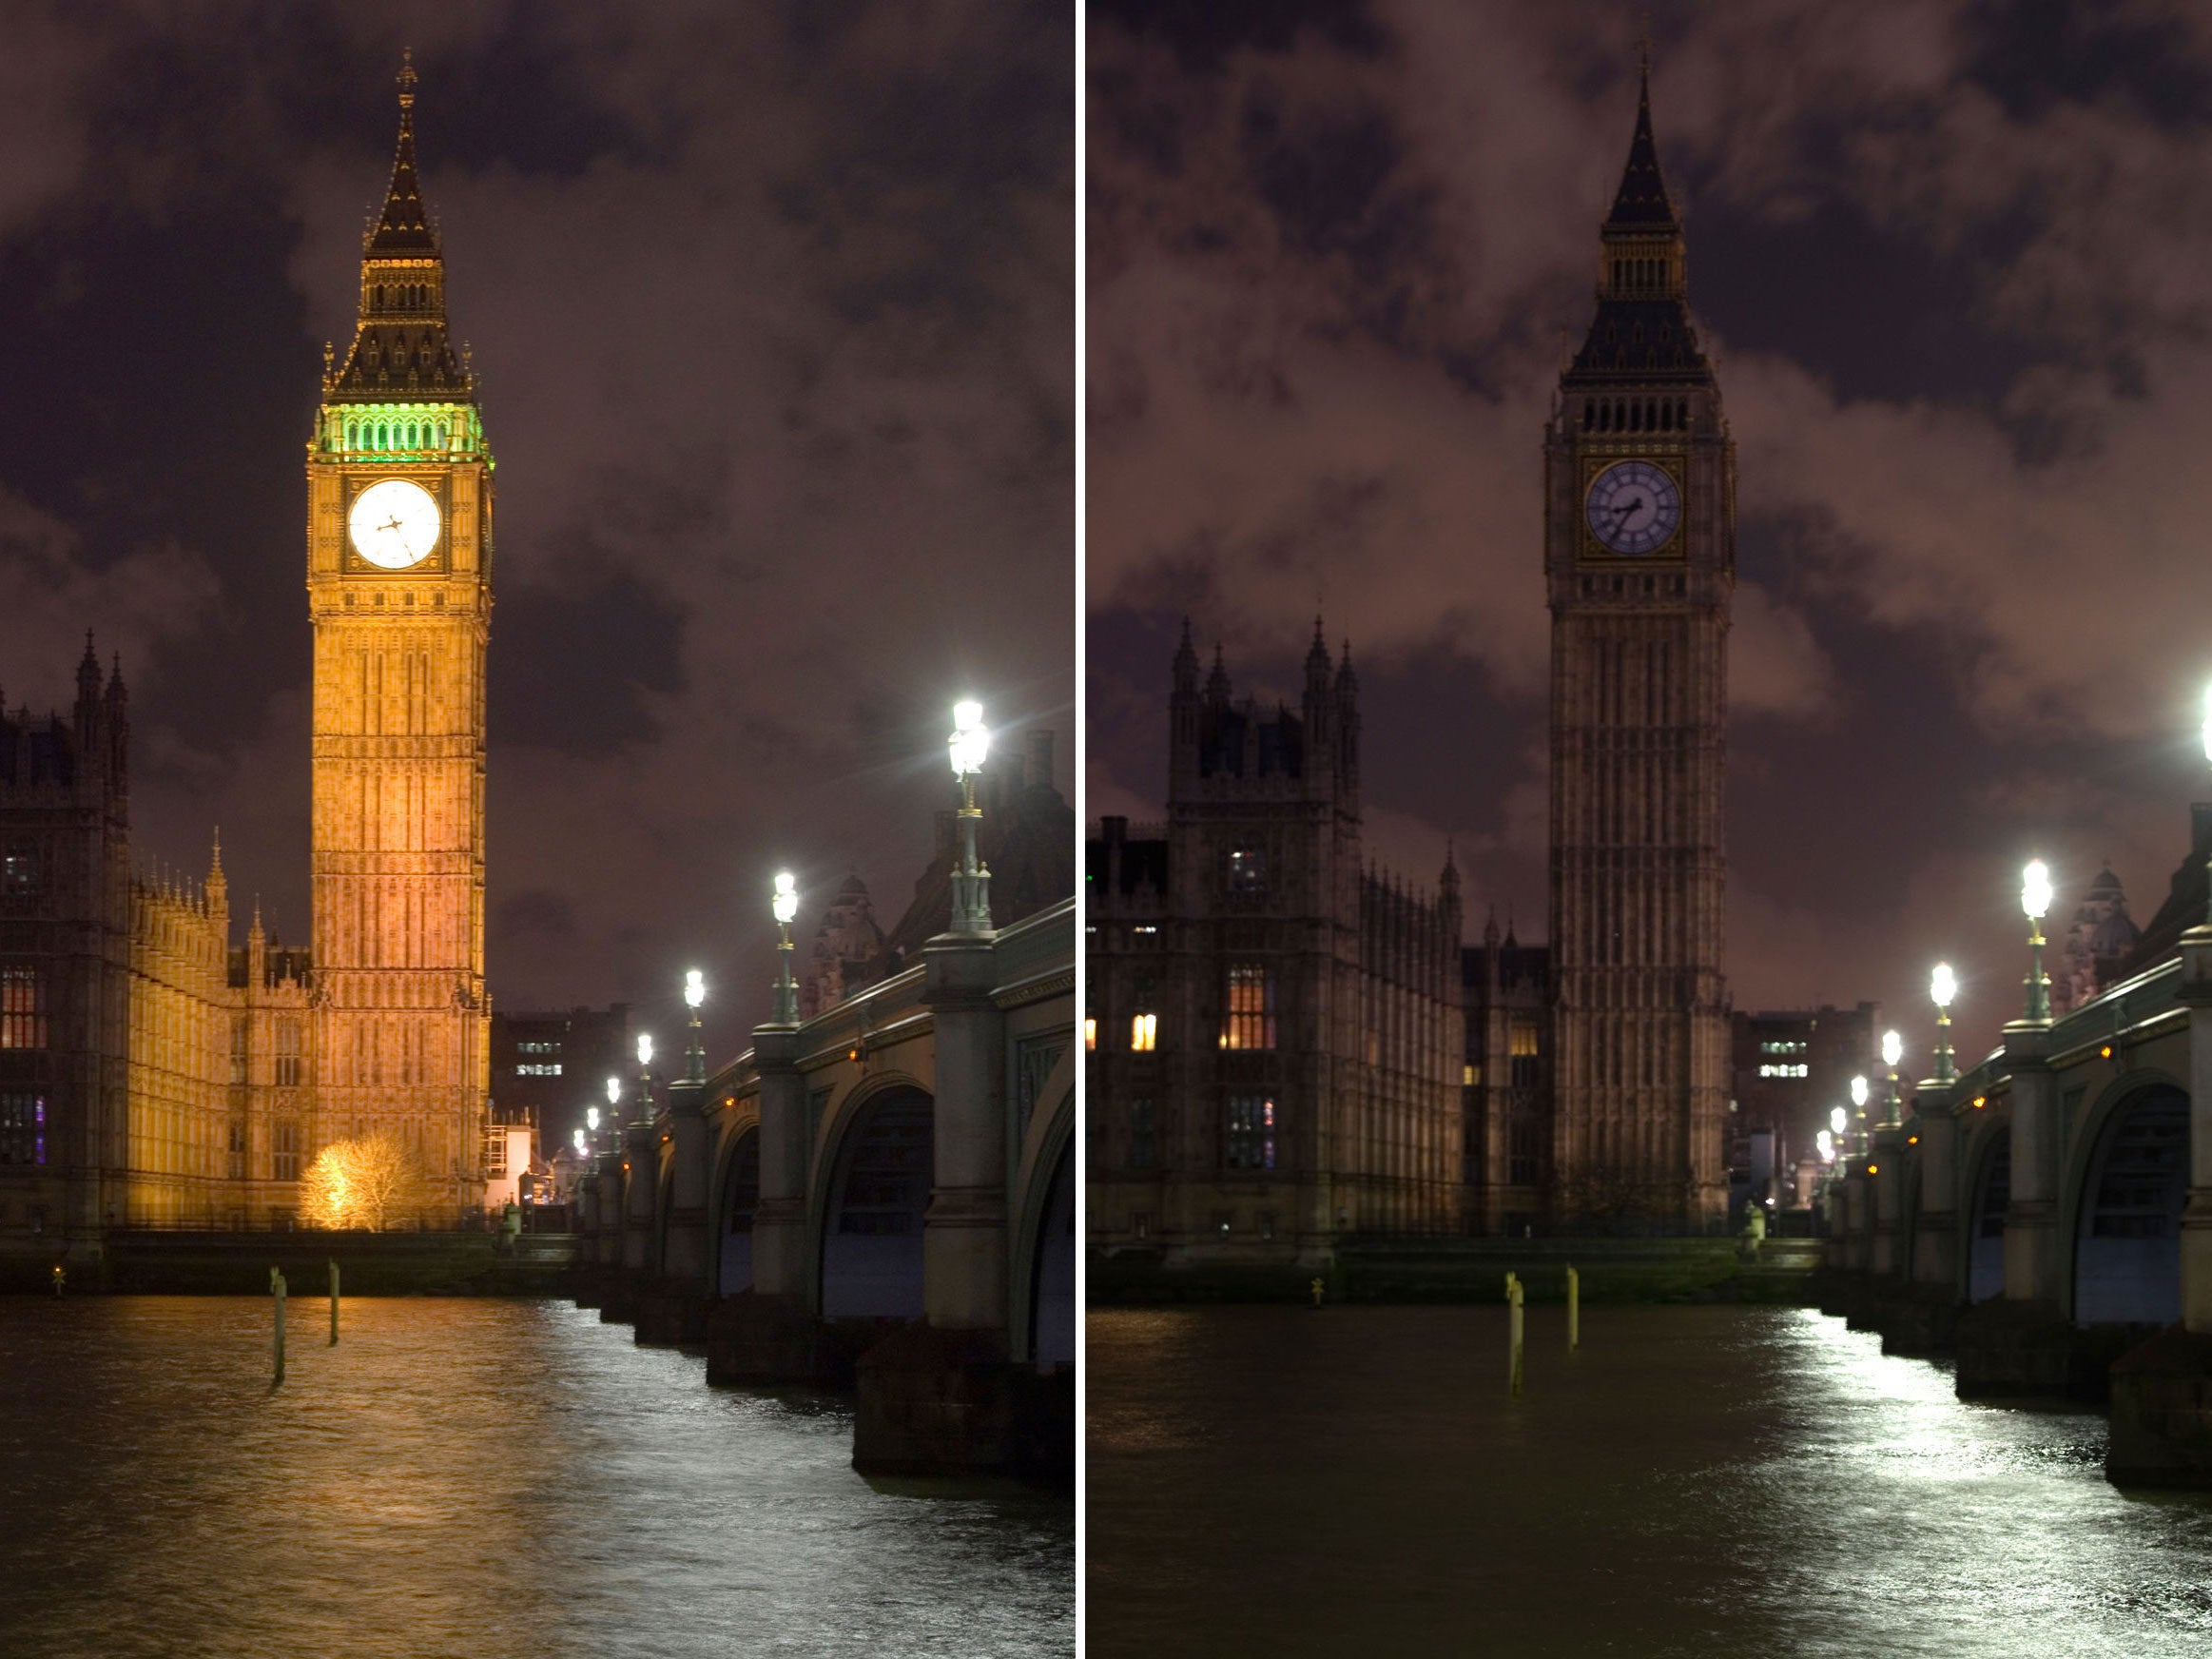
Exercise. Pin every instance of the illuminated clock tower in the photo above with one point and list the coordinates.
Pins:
(1640, 565)
(400, 589)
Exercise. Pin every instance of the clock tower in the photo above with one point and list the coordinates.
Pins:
(1640, 565)
(399, 587)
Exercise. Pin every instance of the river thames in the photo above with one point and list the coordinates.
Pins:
(1693, 1481)
(465, 1478)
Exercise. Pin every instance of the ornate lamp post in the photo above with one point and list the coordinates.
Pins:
(2035, 902)
(644, 1113)
(1892, 1103)
(1941, 988)
(613, 1105)
(1858, 1100)
(971, 883)
(695, 1056)
(785, 906)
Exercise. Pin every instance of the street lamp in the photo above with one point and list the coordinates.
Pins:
(970, 743)
(1892, 1106)
(1941, 988)
(2035, 902)
(1858, 1100)
(786, 906)
(695, 1056)
(645, 1077)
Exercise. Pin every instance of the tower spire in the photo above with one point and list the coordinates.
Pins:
(1640, 205)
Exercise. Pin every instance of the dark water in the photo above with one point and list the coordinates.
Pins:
(1695, 1482)
(469, 1479)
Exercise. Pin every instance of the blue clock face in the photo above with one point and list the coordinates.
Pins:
(1633, 507)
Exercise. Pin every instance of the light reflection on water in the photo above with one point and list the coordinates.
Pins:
(1695, 1480)
(470, 1477)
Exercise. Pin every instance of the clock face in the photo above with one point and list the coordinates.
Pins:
(394, 524)
(1633, 507)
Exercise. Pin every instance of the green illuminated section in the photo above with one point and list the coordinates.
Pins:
(403, 431)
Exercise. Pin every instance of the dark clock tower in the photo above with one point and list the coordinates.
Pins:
(1640, 563)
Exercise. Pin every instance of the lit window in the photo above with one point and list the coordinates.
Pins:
(1248, 871)
(1249, 1021)
(1144, 928)
(22, 1128)
(19, 873)
(538, 1068)
(22, 1009)
(1143, 1033)
(1470, 1075)
(1089, 1032)
(1252, 1132)
(1520, 1049)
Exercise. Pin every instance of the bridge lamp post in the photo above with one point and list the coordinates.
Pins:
(695, 1056)
(1858, 1100)
(786, 908)
(1941, 988)
(1892, 1103)
(970, 744)
(645, 1077)
(2035, 902)
(614, 1103)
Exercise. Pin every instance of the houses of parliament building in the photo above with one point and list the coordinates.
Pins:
(152, 1071)
(1288, 1047)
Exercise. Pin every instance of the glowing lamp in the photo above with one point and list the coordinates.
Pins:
(786, 903)
(1826, 1142)
(2035, 889)
(1858, 1091)
(592, 1118)
(645, 1048)
(580, 1133)
(971, 739)
(614, 1090)
(1942, 984)
(1871, 1168)
(1838, 1117)
(1893, 1049)
(694, 987)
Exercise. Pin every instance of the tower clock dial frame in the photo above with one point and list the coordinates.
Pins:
(1632, 507)
(396, 525)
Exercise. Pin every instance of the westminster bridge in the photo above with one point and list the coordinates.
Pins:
(881, 1198)
(2046, 1216)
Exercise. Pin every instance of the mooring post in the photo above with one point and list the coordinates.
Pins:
(277, 1291)
(1513, 1324)
(1317, 1288)
(1574, 1309)
(334, 1301)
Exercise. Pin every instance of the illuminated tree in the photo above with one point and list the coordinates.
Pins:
(367, 1182)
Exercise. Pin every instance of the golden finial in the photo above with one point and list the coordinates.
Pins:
(407, 77)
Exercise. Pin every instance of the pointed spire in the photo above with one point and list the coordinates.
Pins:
(88, 672)
(1218, 682)
(404, 229)
(1640, 204)
(1186, 669)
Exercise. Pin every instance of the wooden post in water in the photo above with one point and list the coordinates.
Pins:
(277, 1290)
(334, 1300)
(1574, 1309)
(1513, 1326)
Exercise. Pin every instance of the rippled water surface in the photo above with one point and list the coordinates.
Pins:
(469, 1479)
(1707, 1482)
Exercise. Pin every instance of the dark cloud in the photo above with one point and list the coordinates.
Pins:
(1953, 261)
(772, 308)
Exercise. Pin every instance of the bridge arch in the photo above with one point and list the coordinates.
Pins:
(2128, 1182)
(871, 1189)
(1988, 1194)
(738, 1195)
(1044, 1245)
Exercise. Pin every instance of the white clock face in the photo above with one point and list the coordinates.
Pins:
(1633, 507)
(394, 524)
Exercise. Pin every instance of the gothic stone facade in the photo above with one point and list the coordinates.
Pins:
(1640, 561)
(1273, 1030)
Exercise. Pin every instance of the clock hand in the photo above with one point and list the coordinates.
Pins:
(393, 525)
(1635, 506)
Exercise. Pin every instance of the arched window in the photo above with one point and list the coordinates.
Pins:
(383, 439)
(441, 435)
(353, 435)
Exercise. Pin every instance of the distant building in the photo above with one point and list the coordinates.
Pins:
(2102, 934)
(548, 1069)
(1791, 1070)
(844, 944)
(1272, 1029)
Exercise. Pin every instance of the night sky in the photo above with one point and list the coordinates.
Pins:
(772, 308)
(1955, 262)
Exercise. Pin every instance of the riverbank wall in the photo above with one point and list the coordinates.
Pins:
(1609, 1270)
(191, 1263)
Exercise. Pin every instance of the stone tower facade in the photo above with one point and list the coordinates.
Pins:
(1640, 565)
(399, 584)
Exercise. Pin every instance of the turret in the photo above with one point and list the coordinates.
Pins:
(1183, 716)
(1347, 694)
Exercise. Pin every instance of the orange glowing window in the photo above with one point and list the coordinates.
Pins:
(1249, 1021)
(1089, 1032)
(1144, 1031)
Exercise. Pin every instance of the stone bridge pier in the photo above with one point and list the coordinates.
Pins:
(2047, 1216)
(879, 1199)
